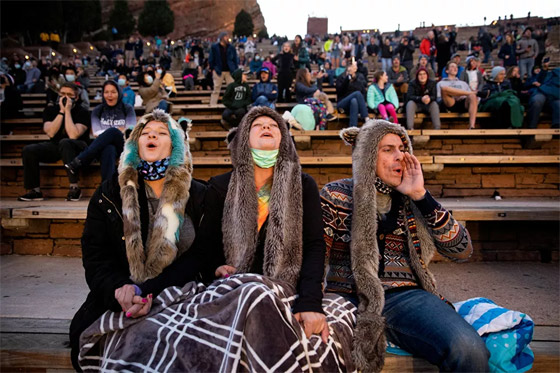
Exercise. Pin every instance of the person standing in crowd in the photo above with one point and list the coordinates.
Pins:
(455, 95)
(129, 51)
(301, 55)
(67, 124)
(527, 51)
(285, 63)
(32, 75)
(350, 93)
(347, 47)
(223, 61)
(405, 50)
(382, 97)
(443, 46)
(422, 95)
(398, 77)
(429, 49)
(109, 121)
(359, 48)
(237, 99)
(336, 51)
(373, 54)
(540, 36)
(386, 53)
(508, 51)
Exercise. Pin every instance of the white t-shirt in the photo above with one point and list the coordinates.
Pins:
(473, 79)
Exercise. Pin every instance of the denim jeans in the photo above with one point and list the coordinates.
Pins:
(386, 64)
(106, 147)
(526, 67)
(537, 103)
(263, 101)
(354, 104)
(425, 326)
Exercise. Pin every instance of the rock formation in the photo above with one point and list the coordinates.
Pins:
(201, 17)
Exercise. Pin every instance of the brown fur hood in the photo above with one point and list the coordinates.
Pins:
(283, 245)
(369, 338)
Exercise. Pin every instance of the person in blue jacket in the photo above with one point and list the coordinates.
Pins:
(128, 94)
(265, 92)
(223, 61)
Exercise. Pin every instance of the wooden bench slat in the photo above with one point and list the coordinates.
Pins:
(495, 159)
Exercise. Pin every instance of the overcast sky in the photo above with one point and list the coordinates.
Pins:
(289, 17)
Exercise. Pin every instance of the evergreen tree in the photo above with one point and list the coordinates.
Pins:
(263, 34)
(243, 24)
(121, 18)
(156, 18)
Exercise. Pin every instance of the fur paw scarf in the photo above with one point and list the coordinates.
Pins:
(369, 336)
(148, 257)
(283, 246)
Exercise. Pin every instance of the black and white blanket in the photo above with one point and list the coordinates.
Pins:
(243, 323)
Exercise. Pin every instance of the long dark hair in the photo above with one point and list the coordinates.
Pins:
(140, 79)
(119, 105)
(301, 77)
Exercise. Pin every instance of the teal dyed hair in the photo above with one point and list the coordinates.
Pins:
(178, 147)
(132, 156)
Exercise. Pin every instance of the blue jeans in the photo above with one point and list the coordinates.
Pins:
(263, 101)
(106, 147)
(386, 64)
(163, 106)
(537, 103)
(354, 104)
(526, 67)
(425, 326)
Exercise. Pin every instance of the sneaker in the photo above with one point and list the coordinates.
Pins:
(73, 166)
(224, 125)
(74, 194)
(31, 196)
(331, 117)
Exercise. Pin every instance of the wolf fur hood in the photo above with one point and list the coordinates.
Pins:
(369, 337)
(283, 245)
(148, 256)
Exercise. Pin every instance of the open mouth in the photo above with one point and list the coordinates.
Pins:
(398, 171)
(151, 145)
(267, 134)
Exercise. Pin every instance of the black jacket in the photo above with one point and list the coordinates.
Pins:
(345, 85)
(105, 262)
(416, 92)
(312, 270)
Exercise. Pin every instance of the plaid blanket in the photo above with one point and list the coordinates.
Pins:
(243, 323)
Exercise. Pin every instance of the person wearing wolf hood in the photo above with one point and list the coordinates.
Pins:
(381, 230)
(140, 230)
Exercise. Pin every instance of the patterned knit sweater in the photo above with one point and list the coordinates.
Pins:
(450, 238)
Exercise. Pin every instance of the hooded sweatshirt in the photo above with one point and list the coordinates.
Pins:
(238, 94)
(265, 88)
(104, 116)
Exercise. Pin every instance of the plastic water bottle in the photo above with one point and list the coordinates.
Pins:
(106, 76)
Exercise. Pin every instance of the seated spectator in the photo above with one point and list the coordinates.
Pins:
(136, 69)
(285, 63)
(53, 83)
(498, 98)
(264, 93)
(17, 72)
(350, 93)
(423, 62)
(70, 76)
(270, 66)
(168, 81)
(255, 64)
(422, 96)
(398, 77)
(190, 73)
(382, 97)
(455, 95)
(326, 73)
(304, 88)
(342, 68)
(508, 51)
(472, 75)
(546, 95)
(109, 121)
(120, 67)
(457, 59)
(82, 77)
(32, 76)
(129, 97)
(67, 124)
(237, 99)
(512, 74)
(204, 78)
(152, 92)
(10, 99)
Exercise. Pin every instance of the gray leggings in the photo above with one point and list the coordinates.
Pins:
(432, 108)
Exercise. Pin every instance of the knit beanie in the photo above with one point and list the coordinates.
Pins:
(495, 71)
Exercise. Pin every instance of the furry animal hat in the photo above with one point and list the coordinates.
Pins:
(149, 256)
(283, 244)
(369, 337)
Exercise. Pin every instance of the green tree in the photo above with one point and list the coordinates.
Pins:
(263, 33)
(243, 24)
(121, 18)
(156, 18)
(80, 17)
